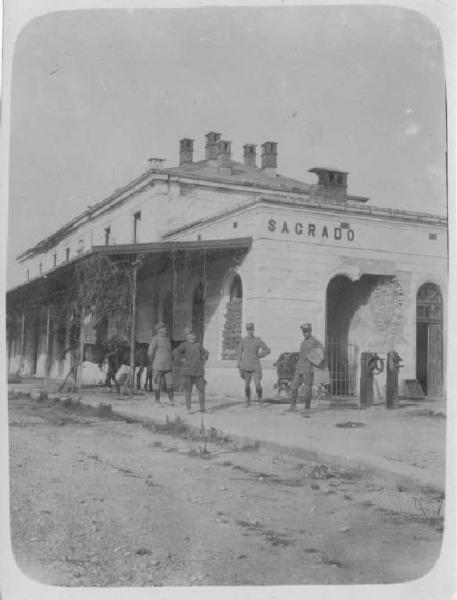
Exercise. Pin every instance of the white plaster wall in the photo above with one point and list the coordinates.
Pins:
(285, 275)
(168, 206)
(163, 207)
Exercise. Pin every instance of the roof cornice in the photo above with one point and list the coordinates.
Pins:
(385, 214)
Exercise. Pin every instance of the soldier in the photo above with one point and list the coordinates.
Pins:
(250, 350)
(193, 357)
(311, 355)
(159, 353)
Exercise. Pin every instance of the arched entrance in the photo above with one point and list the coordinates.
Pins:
(342, 356)
(362, 316)
(429, 339)
(198, 312)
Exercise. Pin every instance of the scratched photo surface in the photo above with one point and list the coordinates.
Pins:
(226, 297)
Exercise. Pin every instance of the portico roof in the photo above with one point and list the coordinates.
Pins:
(37, 288)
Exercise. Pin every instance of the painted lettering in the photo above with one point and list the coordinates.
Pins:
(299, 229)
(272, 225)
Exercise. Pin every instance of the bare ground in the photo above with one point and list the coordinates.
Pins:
(97, 501)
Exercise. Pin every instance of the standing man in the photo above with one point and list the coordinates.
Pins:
(193, 357)
(311, 355)
(159, 353)
(250, 350)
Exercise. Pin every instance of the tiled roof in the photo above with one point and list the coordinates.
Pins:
(240, 174)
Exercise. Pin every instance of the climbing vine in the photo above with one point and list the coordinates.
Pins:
(98, 286)
(104, 288)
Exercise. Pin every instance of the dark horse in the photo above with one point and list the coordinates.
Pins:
(116, 350)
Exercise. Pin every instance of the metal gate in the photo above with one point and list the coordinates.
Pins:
(343, 360)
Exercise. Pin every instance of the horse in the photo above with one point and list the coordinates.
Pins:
(118, 354)
(116, 350)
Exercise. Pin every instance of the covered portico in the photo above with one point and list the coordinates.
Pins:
(183, 283)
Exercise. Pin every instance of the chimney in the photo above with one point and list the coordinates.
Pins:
(156, 163)
(249, 155)
(269, 154)
(224, 156)
(331, 183)
(186, 151)
(212, 139)
(224, 152)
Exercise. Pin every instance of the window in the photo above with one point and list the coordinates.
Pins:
(67, 254)
(107, 234)
(136, 221)
(432, 236)
(339, 179)
(40, 268)
(236, 289)
(28, 274)
(54, 259)
(231, 335)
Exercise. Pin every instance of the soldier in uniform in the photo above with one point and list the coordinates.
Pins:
(250, 350)
(193, 356)
(311, 355)
(159, 353)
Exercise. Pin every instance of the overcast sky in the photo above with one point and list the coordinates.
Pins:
(96, 93)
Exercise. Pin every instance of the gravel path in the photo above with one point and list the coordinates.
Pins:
(101, 502)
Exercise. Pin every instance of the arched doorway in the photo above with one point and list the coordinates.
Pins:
(198, 312)
(356, 321)
(341, 354)
(429, 339)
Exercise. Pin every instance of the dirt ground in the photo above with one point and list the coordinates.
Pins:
(98, 501)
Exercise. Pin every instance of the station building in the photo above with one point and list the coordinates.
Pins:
(223, 242)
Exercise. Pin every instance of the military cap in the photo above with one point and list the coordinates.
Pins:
(306, 327)
(249, 325)
(160, 325)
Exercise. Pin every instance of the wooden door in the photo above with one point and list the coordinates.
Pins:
(422, 355)
(429, 339)
(435, 360)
